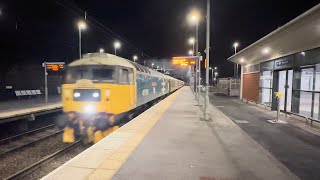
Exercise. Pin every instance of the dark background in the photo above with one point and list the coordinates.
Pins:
(34, 31)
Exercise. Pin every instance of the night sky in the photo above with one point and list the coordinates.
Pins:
(36, 31)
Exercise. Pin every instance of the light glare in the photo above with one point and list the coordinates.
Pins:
(236, 44)
(135, 57)
(82, 25)
(191, 40)
(117, 44)
(77, 94)
(95, 94)
(266, 50)
(89, 109)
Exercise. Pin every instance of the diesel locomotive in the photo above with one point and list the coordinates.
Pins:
(101, 90)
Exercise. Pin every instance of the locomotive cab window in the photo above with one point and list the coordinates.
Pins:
(98, 74)
(126, 76)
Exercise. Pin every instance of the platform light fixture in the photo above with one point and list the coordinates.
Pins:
(116, 45)
(135, 57)
(241, 60)
(303, 53)
(265, 50)
(190, 52)
(235, 45)
(81, 26)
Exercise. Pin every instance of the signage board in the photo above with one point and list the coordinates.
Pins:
(55, 66)
(184, 61)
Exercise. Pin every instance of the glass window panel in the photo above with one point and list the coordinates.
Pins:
(317, 85)
(307, 79)
(282, 87)
(124, 76)
(316, 106)
(265, 96)
(289, 90)
(305, 103)
(266, 79)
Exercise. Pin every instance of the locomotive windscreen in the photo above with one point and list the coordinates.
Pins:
(98, 74)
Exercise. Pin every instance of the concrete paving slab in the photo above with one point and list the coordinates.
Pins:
(180, 146)
(72, 173)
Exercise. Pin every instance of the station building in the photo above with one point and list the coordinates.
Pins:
(288, 61)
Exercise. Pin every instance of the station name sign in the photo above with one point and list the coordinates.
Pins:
(54, 66)
(184, 61)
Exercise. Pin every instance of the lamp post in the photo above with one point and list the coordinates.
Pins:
(116, 46)
(194, 18)
(81, 26)
(152, 65)
(206, 113)
(235, 45)
(211, 74)
(101, 50)
(135, 58)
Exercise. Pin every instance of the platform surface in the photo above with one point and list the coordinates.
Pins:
(295, 143)
(20, 107)
(169, 141)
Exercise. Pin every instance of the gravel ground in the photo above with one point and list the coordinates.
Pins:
(49, 167)
(17, 160)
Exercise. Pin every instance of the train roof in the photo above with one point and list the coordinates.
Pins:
(112, 60)
(101, 59)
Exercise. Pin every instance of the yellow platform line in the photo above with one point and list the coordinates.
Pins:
(124, 141)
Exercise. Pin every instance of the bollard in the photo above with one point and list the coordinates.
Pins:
(278, 97)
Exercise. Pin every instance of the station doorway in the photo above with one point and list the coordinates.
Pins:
(283, 84)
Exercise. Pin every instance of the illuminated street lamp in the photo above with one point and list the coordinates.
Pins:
(190, 52)
(135, 58)
(101, 50)
(152, 65)
(81, 26)
(236, 68)
(194, 19)
(235, 45)
(116, 45)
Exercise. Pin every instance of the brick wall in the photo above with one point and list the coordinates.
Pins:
(251, 86)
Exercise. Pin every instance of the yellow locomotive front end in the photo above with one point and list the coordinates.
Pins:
(96, 95)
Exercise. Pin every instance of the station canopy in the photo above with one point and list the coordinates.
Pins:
(298, 35)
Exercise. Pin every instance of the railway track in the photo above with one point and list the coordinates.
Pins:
(16, 142)
(22, 173)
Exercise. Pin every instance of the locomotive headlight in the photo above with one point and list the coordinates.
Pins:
(76, 94)
(89, 109)
(95, 95)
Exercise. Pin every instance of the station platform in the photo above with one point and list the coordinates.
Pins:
(171, 141)
(17, 109)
